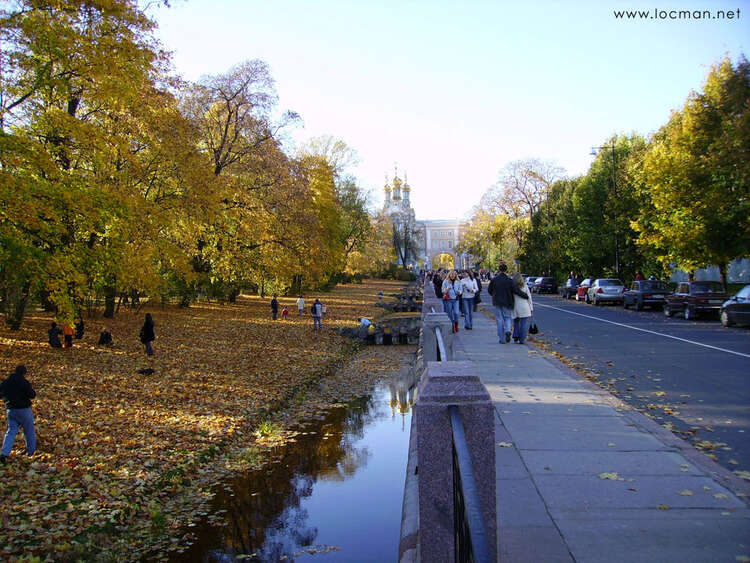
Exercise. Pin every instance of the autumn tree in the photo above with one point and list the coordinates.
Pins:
(696, 178)
(73, 76)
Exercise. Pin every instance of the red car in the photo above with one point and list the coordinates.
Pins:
(694, 298)
(583, 289)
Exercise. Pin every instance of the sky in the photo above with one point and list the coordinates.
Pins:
(453, 91)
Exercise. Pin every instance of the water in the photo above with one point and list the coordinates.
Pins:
(337, 491)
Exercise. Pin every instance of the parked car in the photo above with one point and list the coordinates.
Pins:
(544, 285)
(696, 297)
(736, 311)
(646, 293)
(605, 289)
(582, 291)
(530, 282)
(569, 289)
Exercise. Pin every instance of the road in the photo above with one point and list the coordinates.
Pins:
(690, 376)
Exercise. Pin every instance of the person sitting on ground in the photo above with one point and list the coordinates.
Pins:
(17, 393)
(54, 335)
(105, 338)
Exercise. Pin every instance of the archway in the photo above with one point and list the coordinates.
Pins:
(444, 260)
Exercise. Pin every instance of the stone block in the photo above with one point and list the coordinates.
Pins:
(446, 384)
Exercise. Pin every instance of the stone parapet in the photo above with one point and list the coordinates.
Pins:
(445, 384)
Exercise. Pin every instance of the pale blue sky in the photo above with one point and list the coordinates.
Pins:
(453, 91)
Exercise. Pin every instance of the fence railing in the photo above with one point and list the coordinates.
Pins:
(454, 424)
(468, 523)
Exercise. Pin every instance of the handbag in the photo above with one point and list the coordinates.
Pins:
(533, 329)
(446, 297)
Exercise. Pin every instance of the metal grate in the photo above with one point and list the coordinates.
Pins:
(468, 524)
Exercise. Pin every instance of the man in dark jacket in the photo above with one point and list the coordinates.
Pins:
(17, 393)
(502, 290)
(274, 308)
(437, 283)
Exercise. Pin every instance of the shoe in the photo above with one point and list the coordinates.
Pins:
(3, 459)
(507, 336)
(515, 339)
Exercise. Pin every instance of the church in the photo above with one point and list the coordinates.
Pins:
(437, 239)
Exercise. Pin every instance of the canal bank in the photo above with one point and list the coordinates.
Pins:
(333, 491)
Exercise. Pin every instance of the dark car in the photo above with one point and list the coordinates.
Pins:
(696, 297)
(646, 293)
(583, 288)
(569, 289)
(736, 311)
(544, 285)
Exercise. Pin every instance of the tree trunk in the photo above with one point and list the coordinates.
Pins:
(723, 274)
(110, 293)
(15, 305)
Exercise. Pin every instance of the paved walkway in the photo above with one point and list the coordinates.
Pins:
(583, 477)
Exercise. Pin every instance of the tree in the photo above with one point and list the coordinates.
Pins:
(74, 76)
(696, 176)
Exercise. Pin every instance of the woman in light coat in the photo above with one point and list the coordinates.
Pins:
(522, 311)
(452, 288)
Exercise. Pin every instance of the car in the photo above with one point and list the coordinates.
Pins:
(696, 297)
(569, 289)
(544, 285)
(736, 311)
(646, 293)
(582, 291)
(530, 282)
(605, 289)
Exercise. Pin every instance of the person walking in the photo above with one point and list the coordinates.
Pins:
(300, 305)
(17, 393)
(468, 290)
(274, 307)
(437, 283)
(477, 278)
(147, 335)
(317, 313)
(450, 291)
(53, 335)
(502, 290)
(523, 309)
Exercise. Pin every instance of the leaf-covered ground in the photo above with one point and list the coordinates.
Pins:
(126, 462)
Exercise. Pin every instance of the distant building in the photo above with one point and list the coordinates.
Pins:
(436, 238)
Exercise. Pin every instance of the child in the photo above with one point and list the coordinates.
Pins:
(323, 309)
(284, 313)
(68, 333)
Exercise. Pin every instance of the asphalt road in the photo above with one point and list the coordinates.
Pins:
(690, 376)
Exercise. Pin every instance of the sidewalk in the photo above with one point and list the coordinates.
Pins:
(583, 477)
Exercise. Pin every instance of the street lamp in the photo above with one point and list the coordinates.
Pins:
(594, 152)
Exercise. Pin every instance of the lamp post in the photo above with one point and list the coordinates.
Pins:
(594, 152)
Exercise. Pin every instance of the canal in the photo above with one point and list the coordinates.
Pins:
(334, 494)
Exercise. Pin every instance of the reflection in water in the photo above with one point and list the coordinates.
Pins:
(268, 512)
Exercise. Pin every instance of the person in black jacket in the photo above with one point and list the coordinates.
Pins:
(437, 283)
(274, 308)
(502, 290)
(54, 335)
(147, 334)
(17, 393)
